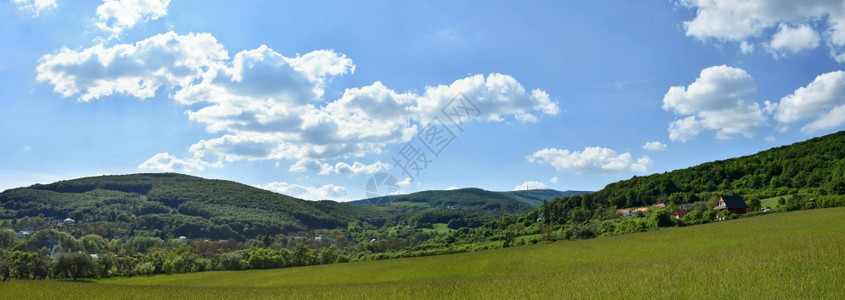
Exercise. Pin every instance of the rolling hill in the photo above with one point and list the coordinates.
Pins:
(815, 167)
(169, 204)
(510, 202)
(179, 205)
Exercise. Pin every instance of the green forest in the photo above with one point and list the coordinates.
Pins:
(142, 224)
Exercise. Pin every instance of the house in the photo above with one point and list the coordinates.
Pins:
(734, 204)
(23, 233)
(69, 220)
(678, 214)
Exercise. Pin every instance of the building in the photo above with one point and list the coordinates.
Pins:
(734, 204)
(678, 214)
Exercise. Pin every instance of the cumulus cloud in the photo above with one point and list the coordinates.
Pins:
(35, 6)
(138, 70)
(530, 185)
(168, 163)
(741, 21)
(590, 160)
(325, 192)
(654, 146)
(496, 96)
(822, 102)
(404, 182)
(321, 168)
(793, 40)
(715, 101)
(553, 180)
(359, 168)
(263, 105)
(311, 165)
(115, 16)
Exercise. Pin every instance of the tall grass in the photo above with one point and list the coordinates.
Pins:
(795, 255)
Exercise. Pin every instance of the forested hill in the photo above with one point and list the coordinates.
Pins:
(172, 205)
(812, 167)
(178, 205)
(510, 202)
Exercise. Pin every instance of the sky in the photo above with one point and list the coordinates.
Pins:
(316, 99)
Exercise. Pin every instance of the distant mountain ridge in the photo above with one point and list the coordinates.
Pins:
(477, 198)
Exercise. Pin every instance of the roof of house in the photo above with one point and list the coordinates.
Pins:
(681, 213)
(731, 202)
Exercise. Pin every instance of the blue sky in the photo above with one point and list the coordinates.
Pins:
(312, 99)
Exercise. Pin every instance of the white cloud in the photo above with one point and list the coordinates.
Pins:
(311, 165)
(554, 180)
(496, 96)
(822, 102)
(169, 163)
(358, 168)
(138, 70)
(325, 192)
(740, 21)
(684, 129)
(590, 160)
(265, 106)
(451, 188)
(654, 146)
(405, 182)
(35, 6)
(714, 102)
(530, 185)
(115, 16)
(745, 47)
(793, 40)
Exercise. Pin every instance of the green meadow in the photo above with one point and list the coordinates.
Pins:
(785, 255)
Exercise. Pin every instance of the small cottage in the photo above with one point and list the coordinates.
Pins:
(734, 204)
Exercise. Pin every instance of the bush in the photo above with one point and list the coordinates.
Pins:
(233, 261)
(75, 265)
(264, 259)
(175, 264)
(146, 268)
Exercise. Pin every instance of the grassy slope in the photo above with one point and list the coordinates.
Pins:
(798, 255)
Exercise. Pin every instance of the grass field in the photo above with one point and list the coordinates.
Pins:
(792, 255)
(773, 201)
(438, 228)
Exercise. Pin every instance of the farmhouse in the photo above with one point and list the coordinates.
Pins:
(734, 204)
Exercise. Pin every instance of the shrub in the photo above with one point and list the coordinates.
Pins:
(146, 268)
